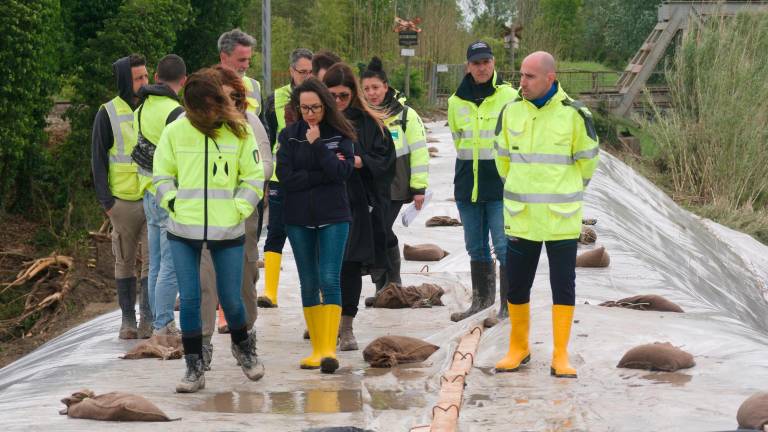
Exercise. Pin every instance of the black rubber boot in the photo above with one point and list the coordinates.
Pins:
(483, 289)
(126, 298)
(393, 272)
(194, 378)
(145, 312)
(503, 289)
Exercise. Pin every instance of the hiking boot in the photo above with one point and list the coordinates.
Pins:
(483, 289)
(169, 330)
(207, 356)
(347, 340)
(194, 378)
(245, 354)
(265, 302)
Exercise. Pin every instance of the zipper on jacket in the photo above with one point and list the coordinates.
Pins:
(205, 192)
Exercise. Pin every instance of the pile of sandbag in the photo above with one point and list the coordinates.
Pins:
(394, 296)
(389, 351)
(650, 302)
(424, 252)
(597, 257)
(657, 356)
(753, 413)
(114, 406)
(437, 221)
(166, 347)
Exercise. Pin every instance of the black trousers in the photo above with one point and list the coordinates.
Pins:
(351, 287)
(522, 261)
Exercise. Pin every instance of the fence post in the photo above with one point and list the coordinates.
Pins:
(433, 84)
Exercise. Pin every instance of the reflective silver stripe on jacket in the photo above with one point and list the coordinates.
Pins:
(195, 232)
(482, 154)
(115, 121)
(542, 198)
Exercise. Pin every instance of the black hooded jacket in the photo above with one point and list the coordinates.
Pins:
(369, 190)
(102, 138)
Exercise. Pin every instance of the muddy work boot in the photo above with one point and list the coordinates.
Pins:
(207, 355)
(145, 312)
(194, 378)
(245, 354)
(169, 330)
(347, 340)
(126, 298)
(483, 289)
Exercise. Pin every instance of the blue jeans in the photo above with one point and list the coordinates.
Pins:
(162, 276)
(481, 219)
(228, 263)
(318, 253)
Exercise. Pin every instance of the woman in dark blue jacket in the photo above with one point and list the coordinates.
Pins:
(314, 161)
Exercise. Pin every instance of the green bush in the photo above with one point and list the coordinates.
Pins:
(417, 83)
(70, 200)
(713, 139)
(28, 65)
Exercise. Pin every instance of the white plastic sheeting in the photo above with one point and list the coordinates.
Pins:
(718, 276)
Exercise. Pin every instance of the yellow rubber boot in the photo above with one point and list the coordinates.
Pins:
(331, 319)
(313, 317)
(562, 317)
(519, 352)
(272, 262)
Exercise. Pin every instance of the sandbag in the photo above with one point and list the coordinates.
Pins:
(650, 302)
(657, 356)
(114, 406)
(164, 347)
(594, 258)
(394, 296)
(442, 221)
(588, 235)
(753, 413)
(424, 252)
(389, 351)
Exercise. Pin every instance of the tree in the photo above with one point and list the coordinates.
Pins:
(33, 30)
(210, 18)
(157, 22)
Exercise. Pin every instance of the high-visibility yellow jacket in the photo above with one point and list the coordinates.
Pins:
(546, 157)
(209, 186)
(155, 112)
(412, 164)
(473, 129)
(252, 95)
(123, 180)
(282, 98)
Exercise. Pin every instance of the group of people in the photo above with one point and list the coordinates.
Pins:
(337, 156)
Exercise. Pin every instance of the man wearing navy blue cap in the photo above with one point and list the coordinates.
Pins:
(472, 115)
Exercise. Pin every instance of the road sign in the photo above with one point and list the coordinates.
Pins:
(408, 38)
(407, 52)
(442, 68)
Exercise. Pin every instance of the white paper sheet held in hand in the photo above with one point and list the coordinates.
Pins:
(410, 212)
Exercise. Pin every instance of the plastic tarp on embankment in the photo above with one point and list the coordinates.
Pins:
(717, 275)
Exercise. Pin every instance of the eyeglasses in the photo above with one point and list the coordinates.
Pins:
(314, 109)
(341, 97)
(301, 72)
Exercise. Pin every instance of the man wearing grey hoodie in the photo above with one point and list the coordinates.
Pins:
(117, 189)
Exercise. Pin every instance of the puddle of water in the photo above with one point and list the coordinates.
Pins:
(311, 401)
(479, 400)
(676, 379)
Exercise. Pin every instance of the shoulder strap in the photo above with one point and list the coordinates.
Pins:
(404, 120)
